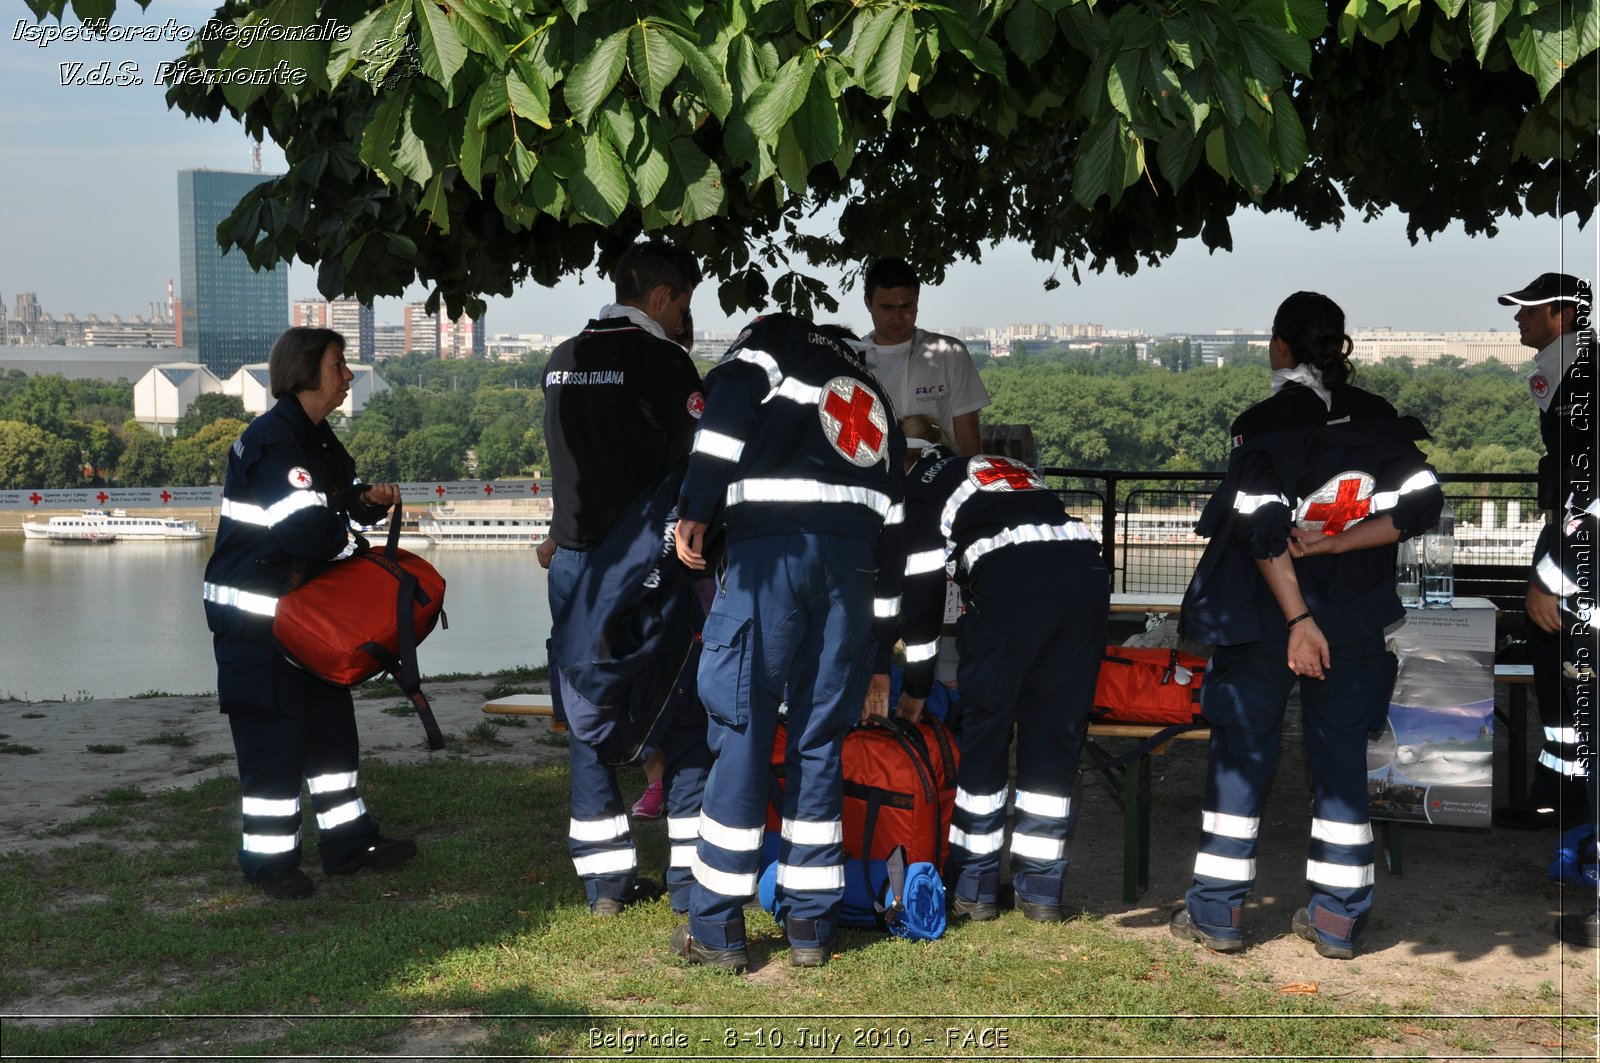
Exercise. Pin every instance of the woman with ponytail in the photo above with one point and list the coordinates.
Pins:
(1297, 585)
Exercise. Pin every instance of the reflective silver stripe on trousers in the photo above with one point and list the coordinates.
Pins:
(331, 782)
(1045, 806)
(1225, 826)
(723, 882)
(977, 844)
(598, 830)
(1033, 847)
(1225, 868)
(271, 844)
(618, 860)
(341, 814)
(1566, 736)
(1328, 830)
(733, 839)
(924, 561)
(718, 445)
(811, 878)
(981, 804)
(247, 601)
(922, 651)
(1072, 531)
(1572, 769)
(806, 491)
(1339, 876)
(249, 513)
(267, 806)
(886, 607)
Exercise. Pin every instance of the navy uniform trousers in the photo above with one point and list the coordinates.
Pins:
(1031, 642)
(598, 836)
(291, 728)
(1244, 698)
(792, 622)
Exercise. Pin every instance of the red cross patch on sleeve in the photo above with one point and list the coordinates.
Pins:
(299, 477)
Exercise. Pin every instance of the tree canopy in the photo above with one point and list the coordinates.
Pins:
(476, 144)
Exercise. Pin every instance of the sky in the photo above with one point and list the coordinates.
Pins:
(88, 177)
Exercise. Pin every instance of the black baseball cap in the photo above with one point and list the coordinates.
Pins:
(1545, 288)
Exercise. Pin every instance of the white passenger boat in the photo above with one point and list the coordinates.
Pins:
(479, 524)
(102, 525)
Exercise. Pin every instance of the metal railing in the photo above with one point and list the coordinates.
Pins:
(1145, 519)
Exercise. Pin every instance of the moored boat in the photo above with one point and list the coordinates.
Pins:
(115, 523)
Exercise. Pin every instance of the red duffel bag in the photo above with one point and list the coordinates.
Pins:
(364, 616)
(1148, 686)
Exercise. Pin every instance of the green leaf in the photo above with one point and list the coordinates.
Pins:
(478, 35)
(547, 192)
(773, 102)
(653, 61)
(866, 32)
(817, 126)
(527, 102)
(472, 137)
(1486, 17)
(1177, 154)
(440, 46)
(1542, 45)
(593, 78)
(1122, 82)
(890, 65)
(792, 161)
(369, 41)
(703, 193)
(1288, 137)
(377, 139)
(411, 155)
(1248, 159)
(600, 188)
(1451, 8)
(492, 101)
(436, 201)
(1030, 30)
(1100, 161)
(647, 163)
(707, 74)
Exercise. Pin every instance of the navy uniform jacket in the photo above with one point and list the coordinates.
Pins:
(620, 407)
(798, 438)
(291, 494)
(1295, 460)
(958, 510)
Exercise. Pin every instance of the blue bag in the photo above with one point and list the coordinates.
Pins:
(1575, 862)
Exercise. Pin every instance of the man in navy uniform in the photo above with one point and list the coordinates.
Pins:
(1547, 320)
(621, 403)
(798, 457)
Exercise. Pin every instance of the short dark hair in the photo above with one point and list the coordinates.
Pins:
(1313, 327)
(646, 266)
(295, 363)
(891, 273)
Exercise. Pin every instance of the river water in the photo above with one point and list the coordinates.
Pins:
(123, 619)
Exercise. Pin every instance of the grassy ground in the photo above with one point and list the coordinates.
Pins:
(145, 936)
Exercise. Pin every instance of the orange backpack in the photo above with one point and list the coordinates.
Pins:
(899, 789)
(1148, 686)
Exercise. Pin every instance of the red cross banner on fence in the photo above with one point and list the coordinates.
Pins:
(75, 498)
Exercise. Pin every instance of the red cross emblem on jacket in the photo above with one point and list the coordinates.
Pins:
(1346, 499)
(1002, 474)
(853, 420)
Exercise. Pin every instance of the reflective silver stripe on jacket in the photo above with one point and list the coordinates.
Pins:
(763, 361)
(1553, 579)
(293, 502)
(795, 391)
(1071, 531)
(1248, 504)
(249, 601)
(756, 490)
(718, 445)
(924, 561)
(1419, 481)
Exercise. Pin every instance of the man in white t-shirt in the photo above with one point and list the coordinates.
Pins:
(922, 372)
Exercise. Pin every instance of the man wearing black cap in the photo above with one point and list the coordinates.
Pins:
(1550, 311)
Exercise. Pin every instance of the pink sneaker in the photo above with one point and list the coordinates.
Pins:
(650, 803)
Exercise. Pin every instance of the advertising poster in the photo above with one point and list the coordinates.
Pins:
(1434, 760)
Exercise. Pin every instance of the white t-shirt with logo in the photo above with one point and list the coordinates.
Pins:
(928, 374)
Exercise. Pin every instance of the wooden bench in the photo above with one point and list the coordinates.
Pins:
(1133, 781)
(525, 705)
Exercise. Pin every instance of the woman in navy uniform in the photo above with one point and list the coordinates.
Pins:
(1297, 584)
(291, 499)
(1031, 638)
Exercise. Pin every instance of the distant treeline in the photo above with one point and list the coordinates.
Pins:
(472, 418)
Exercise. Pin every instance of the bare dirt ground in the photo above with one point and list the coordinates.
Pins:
(1465, 931)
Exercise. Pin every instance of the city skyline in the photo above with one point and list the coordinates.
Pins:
(90, 169)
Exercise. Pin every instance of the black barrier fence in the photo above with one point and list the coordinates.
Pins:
(1145, 520)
